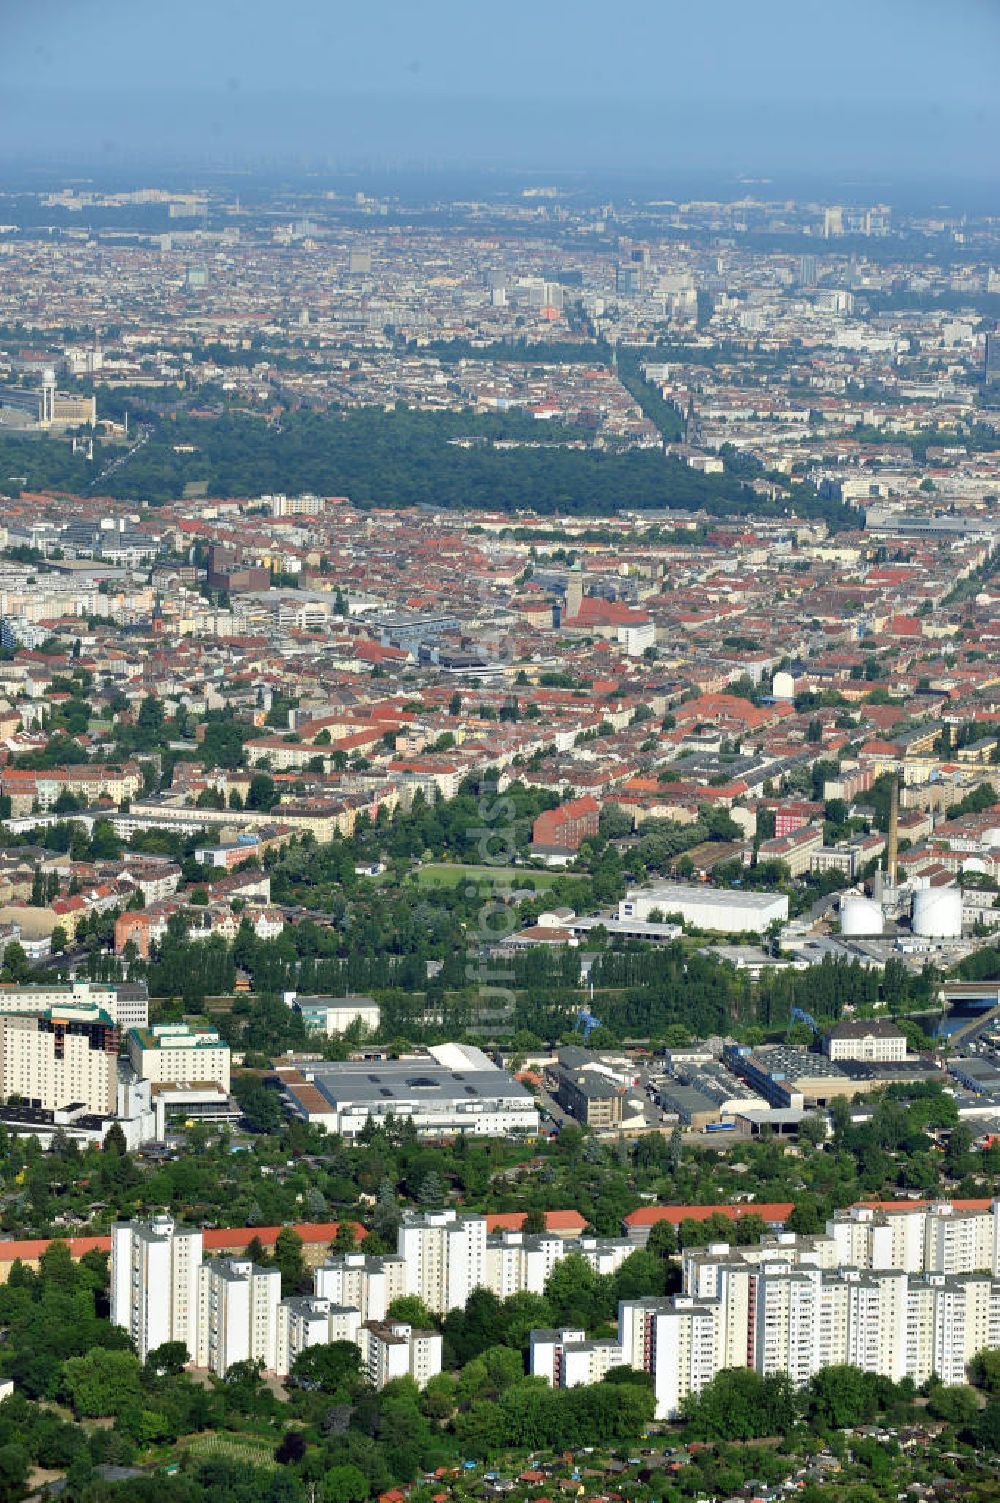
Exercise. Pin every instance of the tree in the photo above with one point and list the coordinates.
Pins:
(168, 1359)
(955, 1405)
(988, 1427)
(262, 794)
(842, 1396)
(615, 822)
(58, 939)
(291, 1449)
(812, 1130)
(333, 1368)
(662, 1239)
(411, 1309)
(102, 1382)
(150, 717)
(14, 1466)
(439, 1398)
(534, 1223)
(346, 1238)
(114, 1140)
(738, 1404)
(641, 1274)
(345, 1484)
(572, 1290)
(288, 1258)
(984, 1370)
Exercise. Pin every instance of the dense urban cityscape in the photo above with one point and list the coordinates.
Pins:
(499, 760)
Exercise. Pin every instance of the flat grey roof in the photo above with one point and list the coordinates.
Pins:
(350, 1083)
(684, 892)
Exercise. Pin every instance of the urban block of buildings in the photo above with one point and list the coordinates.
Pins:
(903, 1291)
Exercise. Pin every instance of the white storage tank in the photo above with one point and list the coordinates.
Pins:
(783, 686)
(860, 916)
(937, 913)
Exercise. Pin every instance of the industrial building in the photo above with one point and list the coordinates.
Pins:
(724, 910)
(454, 1088)
(330, 1015)
(43, 409)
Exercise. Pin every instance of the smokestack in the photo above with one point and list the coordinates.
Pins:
(893, 849)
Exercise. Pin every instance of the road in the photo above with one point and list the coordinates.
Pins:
(144, 433)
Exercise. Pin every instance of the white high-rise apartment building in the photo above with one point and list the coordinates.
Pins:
(368, 1284)
(308, 1320)
(568, 1359)
(518, 1261)
(154, 1283)
(224, 1311)
(237, 1314)
(939, 1238)
(673, 1339)
(445, 1256)
(780, 1308)
(784, 1315)
(393, 1349)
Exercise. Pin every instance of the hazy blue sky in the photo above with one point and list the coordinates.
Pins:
(870, 86)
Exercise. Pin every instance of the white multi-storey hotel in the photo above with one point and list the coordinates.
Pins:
(59, 1057)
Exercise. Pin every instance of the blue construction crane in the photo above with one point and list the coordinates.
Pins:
(585, 1019)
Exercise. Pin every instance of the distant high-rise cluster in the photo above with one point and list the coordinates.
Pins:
(904, 1292)
(227, 1310)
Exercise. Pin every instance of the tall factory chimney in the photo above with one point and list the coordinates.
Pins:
(892, 854)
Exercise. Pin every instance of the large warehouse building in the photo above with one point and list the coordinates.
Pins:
(454, 1088)
(720, 909)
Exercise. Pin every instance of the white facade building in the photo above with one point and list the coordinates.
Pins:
(454, 1088)
(907, 1294)
(568, 1359)
(126, 1003)
(721, 910)
(393, 1349)
(176, 1052)
(310, 1320)
(154, 1283)
(368, 1284)
(445, 1256)
(237, 1314)
(64, 1056)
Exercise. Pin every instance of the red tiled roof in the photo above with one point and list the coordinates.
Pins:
(652, 1215)
(555, 1221)
(214, 1239)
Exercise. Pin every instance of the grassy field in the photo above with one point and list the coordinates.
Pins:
(447, 874)
(245, 1448)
